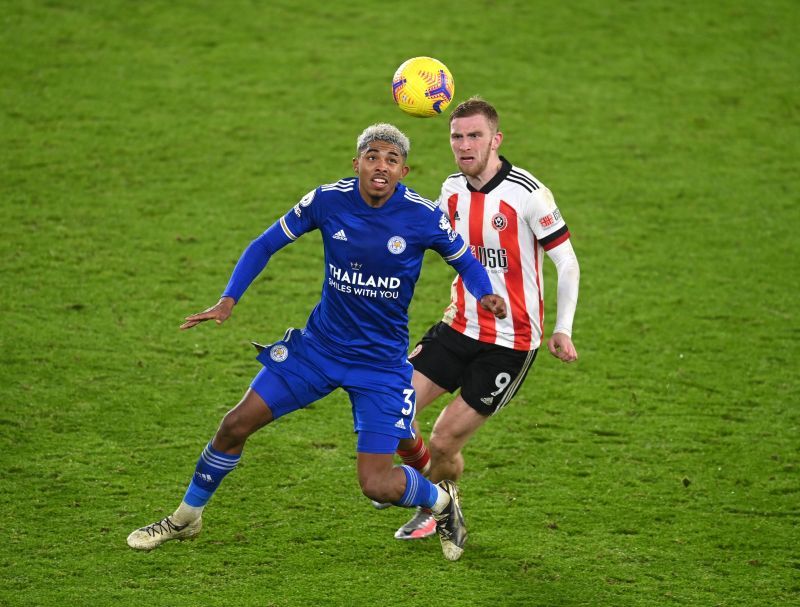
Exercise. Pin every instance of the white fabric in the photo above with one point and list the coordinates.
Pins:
(569, 274)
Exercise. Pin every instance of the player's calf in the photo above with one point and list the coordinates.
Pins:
(415, 455)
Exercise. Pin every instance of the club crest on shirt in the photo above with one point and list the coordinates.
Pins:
(499, 222)
(396, 245)
(279, 353)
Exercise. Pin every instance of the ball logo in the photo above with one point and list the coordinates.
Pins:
(423, 86)
(279, 353)
(396, 245)
(499, 222)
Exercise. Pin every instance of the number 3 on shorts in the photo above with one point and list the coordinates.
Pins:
(408, 395)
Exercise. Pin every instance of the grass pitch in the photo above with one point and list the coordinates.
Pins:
(142, 146)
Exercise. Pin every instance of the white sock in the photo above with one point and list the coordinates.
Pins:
(186, 513)
(441, 501)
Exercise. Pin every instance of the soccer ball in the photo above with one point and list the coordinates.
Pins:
(423, 86)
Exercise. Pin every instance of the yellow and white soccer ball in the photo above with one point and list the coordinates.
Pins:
(423, 86)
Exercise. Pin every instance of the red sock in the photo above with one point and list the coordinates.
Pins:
(417, 457)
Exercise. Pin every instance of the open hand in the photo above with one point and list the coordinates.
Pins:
(220, 312)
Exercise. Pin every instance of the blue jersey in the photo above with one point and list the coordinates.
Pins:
(373, 258)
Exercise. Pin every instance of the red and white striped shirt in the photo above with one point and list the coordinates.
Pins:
(508, 225)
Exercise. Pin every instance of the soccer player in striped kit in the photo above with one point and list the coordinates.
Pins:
(510, 222)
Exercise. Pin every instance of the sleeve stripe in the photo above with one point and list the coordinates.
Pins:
(343, 185)
(286, 229)
(414, 197)
(522, 178)
(521, 183)
(461, 251)
(555, 239)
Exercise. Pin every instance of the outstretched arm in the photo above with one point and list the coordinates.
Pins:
(253, 260)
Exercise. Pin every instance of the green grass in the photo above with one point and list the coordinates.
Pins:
(143, 145)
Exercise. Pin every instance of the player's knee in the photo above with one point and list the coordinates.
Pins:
(235, 427)
(442, 446)
(375, 488)
(371, 489)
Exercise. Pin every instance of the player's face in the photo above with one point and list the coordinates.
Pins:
(379, 168)
(474, 143)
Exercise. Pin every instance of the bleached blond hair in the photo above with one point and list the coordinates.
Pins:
(387, 133)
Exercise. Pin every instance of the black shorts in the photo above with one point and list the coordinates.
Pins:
(488, 375)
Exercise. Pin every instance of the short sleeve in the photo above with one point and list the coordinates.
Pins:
(545, 219)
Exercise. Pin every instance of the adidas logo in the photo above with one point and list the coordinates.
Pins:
(400, 424)
(487, 400)
(340, 235)
(205, 477)
(456, 216)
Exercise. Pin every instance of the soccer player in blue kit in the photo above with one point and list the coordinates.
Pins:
(375, 231)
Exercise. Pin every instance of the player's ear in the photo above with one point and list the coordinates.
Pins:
(406, 169)
(497, 140)
(355, 164)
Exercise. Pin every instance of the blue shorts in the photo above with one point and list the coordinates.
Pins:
(299, 370)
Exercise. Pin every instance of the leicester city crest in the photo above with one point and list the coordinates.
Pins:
(396, 245)
(279, 353)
